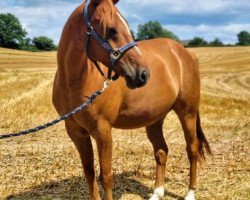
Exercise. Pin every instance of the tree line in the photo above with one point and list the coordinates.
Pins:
(13, 35)
(243, 40)
(153, 29)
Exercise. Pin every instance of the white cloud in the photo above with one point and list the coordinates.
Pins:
(47, 17)
(194, 7)
(190, 18)
(43, 20)
(227, 33)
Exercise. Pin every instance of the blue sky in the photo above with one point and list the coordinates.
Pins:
(186, 18)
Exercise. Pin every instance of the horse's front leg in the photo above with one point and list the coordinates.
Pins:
(83, 144)
(103, 139)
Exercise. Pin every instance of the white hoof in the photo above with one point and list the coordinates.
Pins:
(154, 197)
(190, 195)
(158, 193)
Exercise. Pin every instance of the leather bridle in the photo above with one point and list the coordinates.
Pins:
(115, 53)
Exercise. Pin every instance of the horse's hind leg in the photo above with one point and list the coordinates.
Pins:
(84, 146)
(155, 135)
(188, 121)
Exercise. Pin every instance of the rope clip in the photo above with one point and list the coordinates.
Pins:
(106, 84)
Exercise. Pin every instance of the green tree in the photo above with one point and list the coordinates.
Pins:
(244, 38)
(153, 29)
(133, 34)
(12, 33)
(216, 42)
(27, 45)
(197, 41)
(43, 43)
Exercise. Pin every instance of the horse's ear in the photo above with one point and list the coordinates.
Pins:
(115, 1)
(96, 2)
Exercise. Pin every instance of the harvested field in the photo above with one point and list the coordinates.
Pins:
(46, 165)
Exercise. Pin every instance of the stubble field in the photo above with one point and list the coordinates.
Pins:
(46, 165)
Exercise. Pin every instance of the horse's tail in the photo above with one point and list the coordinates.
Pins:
(203, 143)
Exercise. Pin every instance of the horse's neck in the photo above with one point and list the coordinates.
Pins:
(79, 70)
(72, 60)
(74, 66)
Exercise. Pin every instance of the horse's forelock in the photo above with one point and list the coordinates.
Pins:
(107, 10)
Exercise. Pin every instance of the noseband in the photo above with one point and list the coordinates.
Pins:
(115, 54)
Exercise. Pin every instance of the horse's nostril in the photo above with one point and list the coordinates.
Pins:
(137, 81)
(144, 76)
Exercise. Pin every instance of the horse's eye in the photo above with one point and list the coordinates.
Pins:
(111, 32)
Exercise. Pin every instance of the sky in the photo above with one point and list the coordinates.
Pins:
(208, 19)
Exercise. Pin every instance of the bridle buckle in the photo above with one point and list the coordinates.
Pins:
(90, 30)
(115, 55)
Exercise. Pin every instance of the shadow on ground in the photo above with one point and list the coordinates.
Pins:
(77, 188)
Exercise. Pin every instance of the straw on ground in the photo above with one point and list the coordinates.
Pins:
(46, 165)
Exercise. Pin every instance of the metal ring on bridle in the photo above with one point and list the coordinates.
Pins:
(90, 29)
(115, 55)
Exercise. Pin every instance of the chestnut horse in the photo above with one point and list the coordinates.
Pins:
(157, 76)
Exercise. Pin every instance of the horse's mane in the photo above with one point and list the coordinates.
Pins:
(107, 10)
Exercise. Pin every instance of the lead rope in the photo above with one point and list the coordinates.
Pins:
(64, 117)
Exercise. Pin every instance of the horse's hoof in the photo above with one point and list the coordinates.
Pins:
(154, 197)
(158, 193)
(190, 195)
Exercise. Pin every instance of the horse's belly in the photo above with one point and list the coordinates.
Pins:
(137, 117)
(133, 122)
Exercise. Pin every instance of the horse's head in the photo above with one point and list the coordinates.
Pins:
(112, 28)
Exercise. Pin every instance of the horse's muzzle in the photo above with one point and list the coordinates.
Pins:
(138, 80)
